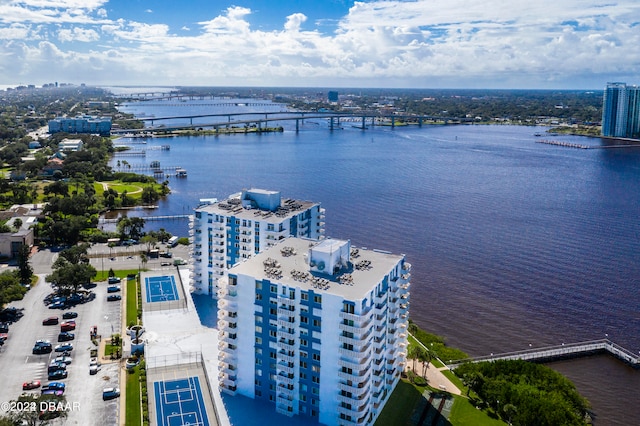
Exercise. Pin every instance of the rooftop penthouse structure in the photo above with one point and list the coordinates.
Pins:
(235, 229)
(318, 328)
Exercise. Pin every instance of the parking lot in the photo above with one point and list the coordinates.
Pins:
(83, 391)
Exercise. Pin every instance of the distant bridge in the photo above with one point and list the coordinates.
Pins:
(263, 118)
(564, 351)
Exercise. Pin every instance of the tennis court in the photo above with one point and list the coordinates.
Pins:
(180, 402)
(161, 288)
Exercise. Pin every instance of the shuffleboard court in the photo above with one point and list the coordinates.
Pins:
(180, 403)
(161, 289)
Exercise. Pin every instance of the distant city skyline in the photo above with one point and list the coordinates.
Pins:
(575, 44)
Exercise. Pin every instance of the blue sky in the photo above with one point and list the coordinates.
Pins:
(543, 44)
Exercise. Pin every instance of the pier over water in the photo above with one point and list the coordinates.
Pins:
(563, 351)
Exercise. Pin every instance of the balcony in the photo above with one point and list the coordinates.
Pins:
(356, 392)
(227, 388)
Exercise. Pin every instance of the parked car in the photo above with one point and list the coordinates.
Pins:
(33, 384)
(54, 385)
(56, 392)
(4, 327)
(113, 280)
(41, 347)
(50, 321)
(110, 393)
(93, 369)
(69, 315)
(68, 325)
(113, 289)
(113, 298)
(58, 374)
(55, 366)
(64, 347)
(57, 305)
(65, 336)
(65, 359)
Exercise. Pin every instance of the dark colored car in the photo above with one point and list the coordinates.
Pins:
(110, 393)
(113, 289)
(64, 347)
(58, 374)
(41, 347)
(113, 297)
(55, 366)
(50, 321)
(65, 336)
(54, 385)
(69, 315)
(4, 327)
(10, 315)
(53, 392)
(113, 280)
(57, 305)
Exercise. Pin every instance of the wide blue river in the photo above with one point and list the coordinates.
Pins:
(513, 243)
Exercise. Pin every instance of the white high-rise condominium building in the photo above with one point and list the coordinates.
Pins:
(229, 231)
(318, 328)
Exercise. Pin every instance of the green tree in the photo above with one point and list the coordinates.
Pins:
(130, 227)
(25, 271)
(34, 417)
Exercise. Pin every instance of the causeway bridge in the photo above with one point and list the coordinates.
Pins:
(563, 351)
(361, 119)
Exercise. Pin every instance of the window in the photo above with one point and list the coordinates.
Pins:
(258, 340)
(303, 342)
(348, 308)
(258, 296)
(303, 364)
(258, 361)
(316, 357)
(258, 329)
(315, 368)
(315, 379)
(258, 285)
(316, 323)
(317, 298)
(272, 333)
(273, 288)
(304, 296)
(304, 320)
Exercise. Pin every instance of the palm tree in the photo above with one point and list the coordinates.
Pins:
(425, 358)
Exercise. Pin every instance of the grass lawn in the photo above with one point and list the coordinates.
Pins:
(398, 409)
(110, 349)
(132, 301)
(464, 413)
(122, 274)
(133, 414)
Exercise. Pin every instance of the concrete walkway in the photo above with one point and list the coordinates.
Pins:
(435, 377)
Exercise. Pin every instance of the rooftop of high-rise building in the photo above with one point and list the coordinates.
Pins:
(258, 204)
(330, 265)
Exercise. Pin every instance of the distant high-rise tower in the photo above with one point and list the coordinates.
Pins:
(332, 96)
(633, 112)
(614, 110)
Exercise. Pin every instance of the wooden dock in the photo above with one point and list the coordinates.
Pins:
(563, 351)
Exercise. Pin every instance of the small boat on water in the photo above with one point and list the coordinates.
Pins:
(180, 172)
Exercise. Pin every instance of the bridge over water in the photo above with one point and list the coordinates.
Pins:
(265, 117)
(564, 351)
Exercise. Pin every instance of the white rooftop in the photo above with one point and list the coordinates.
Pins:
(288, 263)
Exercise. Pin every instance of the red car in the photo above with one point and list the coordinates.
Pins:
(50, 321)
(34, 384)
(68, 326)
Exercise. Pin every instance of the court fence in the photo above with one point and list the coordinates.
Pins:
(183, 361)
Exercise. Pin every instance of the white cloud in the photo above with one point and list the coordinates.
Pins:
(78, 34)
(422, 42)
